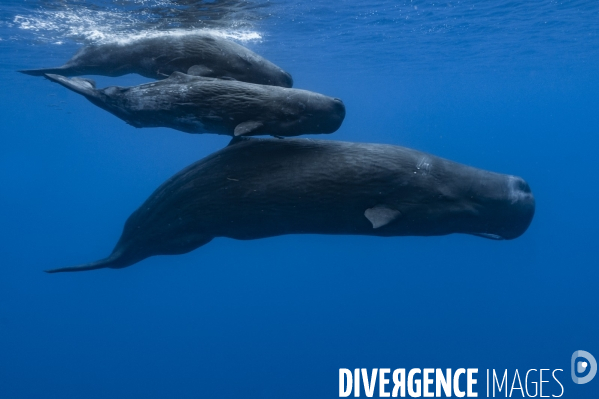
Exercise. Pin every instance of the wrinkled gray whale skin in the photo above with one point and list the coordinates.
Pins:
(195, 104)
(158, 57)
(256, 188)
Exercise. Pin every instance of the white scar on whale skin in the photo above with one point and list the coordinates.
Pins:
(424, 165)
(515, 194)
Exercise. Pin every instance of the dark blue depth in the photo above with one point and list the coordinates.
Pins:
(509, 87)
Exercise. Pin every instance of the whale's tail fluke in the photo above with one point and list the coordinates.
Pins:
(86, 87)
(116, 260)
(100, 264)
(43, 71)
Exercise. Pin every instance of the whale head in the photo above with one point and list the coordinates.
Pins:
(452, 198)
(267, 73)
(306, 112)
(505, 208)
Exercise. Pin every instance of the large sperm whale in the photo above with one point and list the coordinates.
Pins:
(158, 57)
(256, 188)
(195, 104)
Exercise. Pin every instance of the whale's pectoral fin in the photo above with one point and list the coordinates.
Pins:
(247, 128)
(200, 70)
(78, 85)
(381, 215)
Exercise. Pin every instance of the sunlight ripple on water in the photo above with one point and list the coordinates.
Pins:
(404, 35)
(101, 22)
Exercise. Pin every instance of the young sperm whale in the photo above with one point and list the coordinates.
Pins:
(158, 57)
(195, 104)
(256, 188)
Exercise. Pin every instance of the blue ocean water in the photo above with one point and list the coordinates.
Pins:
(508, 86)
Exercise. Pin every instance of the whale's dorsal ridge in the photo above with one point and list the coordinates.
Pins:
(381, 215)
(179, 76)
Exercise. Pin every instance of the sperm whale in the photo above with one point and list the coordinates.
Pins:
(256, 188)
(157, 57)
